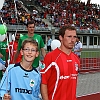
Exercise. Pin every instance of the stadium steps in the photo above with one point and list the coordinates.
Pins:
(24, 7)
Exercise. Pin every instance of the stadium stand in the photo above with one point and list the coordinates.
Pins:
(85, 17)
(52, 14)
(23, 15)
(73, 12)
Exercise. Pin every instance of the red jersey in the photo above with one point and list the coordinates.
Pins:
(13, 48)
(60, 75)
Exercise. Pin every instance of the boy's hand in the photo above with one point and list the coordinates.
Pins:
(6, 97)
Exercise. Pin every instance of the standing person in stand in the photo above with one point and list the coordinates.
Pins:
(12, 48)
(59, 76)
(21, 81)
(78, 47)
(49, 40)
(31, 27)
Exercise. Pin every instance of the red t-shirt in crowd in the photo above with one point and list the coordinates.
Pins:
(13, 48)
(61, 76)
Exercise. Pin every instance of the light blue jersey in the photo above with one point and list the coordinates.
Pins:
(22, 84)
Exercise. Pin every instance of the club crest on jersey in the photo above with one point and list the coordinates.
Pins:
(32, 82)
(42, 66)
(76, 66)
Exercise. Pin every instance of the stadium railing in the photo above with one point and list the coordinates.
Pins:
(90, 61)
(23, 27)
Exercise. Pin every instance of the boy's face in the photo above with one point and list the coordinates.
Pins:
(29, 52)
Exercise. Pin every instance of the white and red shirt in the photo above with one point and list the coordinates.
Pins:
(12, 49)
(60, 75)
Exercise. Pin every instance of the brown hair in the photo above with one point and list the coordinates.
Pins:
(29, 40)
(64, 28)
(30, 22)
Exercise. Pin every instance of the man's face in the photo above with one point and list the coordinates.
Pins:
(69, 39)
(17, 36)
(30, 28)
(77, 40)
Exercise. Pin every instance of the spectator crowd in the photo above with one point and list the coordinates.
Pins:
(74, 12)
(15, 13)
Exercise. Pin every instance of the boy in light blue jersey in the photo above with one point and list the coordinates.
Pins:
(21, 81)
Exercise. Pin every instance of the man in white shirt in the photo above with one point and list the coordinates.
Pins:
(78, 47)
(49, 40)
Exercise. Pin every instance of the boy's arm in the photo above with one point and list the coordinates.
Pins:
(37, 91)
(5, 83)
(3, 89)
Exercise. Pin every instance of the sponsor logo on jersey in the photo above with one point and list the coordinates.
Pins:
(72, 76)
(26, 75)
(43, 66)
(64, 77)
(32, 83)
(21, 90)
(69, 60)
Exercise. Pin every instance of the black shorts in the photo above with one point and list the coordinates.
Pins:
(48, 48)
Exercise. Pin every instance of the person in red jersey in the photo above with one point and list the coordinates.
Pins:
(59, 76)
(12, 49)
